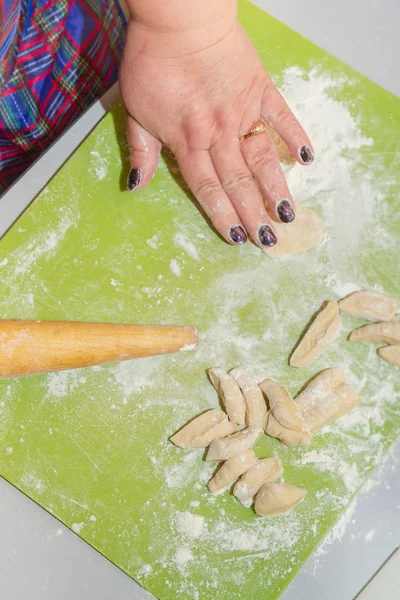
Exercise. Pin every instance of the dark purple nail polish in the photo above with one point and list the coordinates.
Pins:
(306, 155)
(134, 178)
(266, 236)
(285, 212)
(238, 234)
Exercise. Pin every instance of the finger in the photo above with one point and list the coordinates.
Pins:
(242, 190)
(261, 157)
(199, 173)
(277, 113)
(144, 151)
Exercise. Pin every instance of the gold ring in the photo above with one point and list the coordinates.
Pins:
(258, 127)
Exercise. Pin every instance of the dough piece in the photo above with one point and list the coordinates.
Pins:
(233, 445)
(230, 394)
(282, 405)
(276, 498)
(264, 471)
(320, 334)
(290, 437)
(369, 305)
(231, 470)
(305, 232)
(255, 403)
(391, 354)
(377, 333)
(331, 407)
(205, 428)
(325, 382)
(283, 152)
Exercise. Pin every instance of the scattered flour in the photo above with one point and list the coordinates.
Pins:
(189, 524)
(181, 240)
(153, 241)
(175, 268)
(77, 527)
(183, 556)
(99, 164)
(338, 530)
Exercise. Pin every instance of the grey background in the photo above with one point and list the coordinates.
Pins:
(42, 560)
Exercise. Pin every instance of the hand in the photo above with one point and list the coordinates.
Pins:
(198, 97)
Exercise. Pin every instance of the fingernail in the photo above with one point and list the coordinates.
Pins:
(238, 234)
(306, 155)
(266, 236)
(285, 212)
(134, 178)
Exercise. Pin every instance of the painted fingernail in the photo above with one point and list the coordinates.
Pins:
(306, 155)
(285, 212)
(238, 234)
(266, 236)
(134, 178)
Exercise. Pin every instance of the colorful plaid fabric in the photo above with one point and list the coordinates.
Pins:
(64, 56)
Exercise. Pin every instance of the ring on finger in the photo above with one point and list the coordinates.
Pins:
(258, 127)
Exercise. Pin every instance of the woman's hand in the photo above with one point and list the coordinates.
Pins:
(198, 93)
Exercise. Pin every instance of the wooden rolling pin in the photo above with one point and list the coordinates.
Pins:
(28, 347)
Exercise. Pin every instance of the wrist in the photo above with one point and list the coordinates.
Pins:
(182, 27)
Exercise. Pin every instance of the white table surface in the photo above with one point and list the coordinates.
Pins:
(40, 559)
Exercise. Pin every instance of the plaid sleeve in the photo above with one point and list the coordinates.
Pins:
(67, 56)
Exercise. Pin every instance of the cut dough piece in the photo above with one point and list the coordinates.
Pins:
(205, 428)
(264, 471)
(255, 403)
(305, 232)
(377, 333)
(331, 407)
(290, 437)
(276, 498)
(320, 334)
(283, 152)
(325, 382)
(231, 470)
(230, 394)
(370, 305)
(233, 445)
(282, 405)
(391, 354)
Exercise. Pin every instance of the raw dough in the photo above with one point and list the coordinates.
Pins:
(377, 333)
(283, 152)
(231, 470)
(256, 406)
(305, 232)
(264, 471)
(277, 498)
(325, 382)
(282, 405)
(370, 305)
(233, 445)
(230, 394)
(320, 334)
(391, 354)
(331, 407)
(205, 428)
(290, 437)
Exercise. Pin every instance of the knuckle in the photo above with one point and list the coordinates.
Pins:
(261, 158)
(239, 180)
(207, 188)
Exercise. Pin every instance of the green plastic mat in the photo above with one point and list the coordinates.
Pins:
(91, 446)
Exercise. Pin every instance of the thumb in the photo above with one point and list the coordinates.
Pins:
(144, 152)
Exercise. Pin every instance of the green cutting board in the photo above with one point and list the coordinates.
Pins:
(92, 447)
